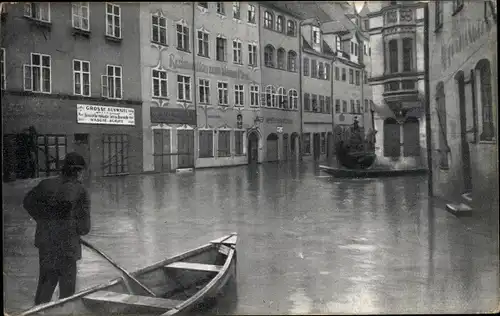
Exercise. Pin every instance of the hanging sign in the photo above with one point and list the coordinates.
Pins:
(106, 115)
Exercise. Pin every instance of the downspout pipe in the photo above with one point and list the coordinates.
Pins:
(427, 100)
(301, 144)
(195, 83)
(333, 103)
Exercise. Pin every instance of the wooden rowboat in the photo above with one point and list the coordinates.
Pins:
(180, 284)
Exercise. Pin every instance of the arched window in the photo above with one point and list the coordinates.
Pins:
(281, 58)
(292, 61)
(268, 20)
(393, 56)
(280, 21)
(407, 54)
(293, 99)
(269, 55)
(281, 98)
(290, 30)
(270, 92)
(442, 124)
(485, 100)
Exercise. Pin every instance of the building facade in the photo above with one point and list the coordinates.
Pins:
(396, 31)
(97, 112)
(464, 103)
(279, 137)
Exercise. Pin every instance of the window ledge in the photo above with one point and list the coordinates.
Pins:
(40, 23)
(80, 32)
(158, 43)
(184, 50)
(487, 142)
(113, 38)
(203, 56)
(160, 98)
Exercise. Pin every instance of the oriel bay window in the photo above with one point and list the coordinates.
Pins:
(224, 143)
(206, 143)
(407, 54)
(393, 56)
(238, 142)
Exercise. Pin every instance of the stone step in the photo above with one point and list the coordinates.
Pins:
(459, 209)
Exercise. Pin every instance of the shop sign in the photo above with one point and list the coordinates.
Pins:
(180, 63)
(106, 115)
(172, 116)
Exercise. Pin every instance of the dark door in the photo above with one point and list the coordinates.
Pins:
(316, 146)
(285, 147)
(161, 139)
(465, 151)
(329, 145)
(253, 148)
(185, 148)
(411, 138)
(272, 147)
(392, 141)
(293, 146)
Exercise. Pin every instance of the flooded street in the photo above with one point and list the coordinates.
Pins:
(307, 243)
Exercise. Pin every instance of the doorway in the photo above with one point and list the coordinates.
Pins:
(316, 146)
(161, 154)
(392, 140)
(411, 137)
(272, 147)
(253, 148)
(285, 147)
(185, 149)
(464, 144)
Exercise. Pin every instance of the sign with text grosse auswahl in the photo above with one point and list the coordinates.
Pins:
(106, 115)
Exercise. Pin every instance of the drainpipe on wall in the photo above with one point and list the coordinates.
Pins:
(299, 35)
(427, 99)
(195, 103)
(332, 100)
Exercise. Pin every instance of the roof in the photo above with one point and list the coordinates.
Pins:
(333, 27)
(303, 9)
(365, 10)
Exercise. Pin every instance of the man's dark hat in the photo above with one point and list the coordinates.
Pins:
(74, 160)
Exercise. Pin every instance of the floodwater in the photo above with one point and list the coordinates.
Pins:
(307, 243)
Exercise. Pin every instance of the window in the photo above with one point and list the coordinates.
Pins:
(393, 56)
(223, 93)
(358, 106)
(51, 152)
(268, 20)
(281, 98)
(307, 105)
(203, 44)
(220, 8)
(270, 96)
(356, 49)
(442, 120)
(292, 61)
(351, 76)
(323, 142)
(293, 99)
(367, 24)
(204, 91)
(251, 14)
(316, 35)
(306, 66)
(352, 48)
(239, 99)
(344, 106)
(290, 28)
(80, 13)
(438, 15)
(321, 107)
(111, 83)
(237, 48)
(357, 78)
(337, 106)
(252, 55)
(344, 77)
(81, 77)
(321, 70)
(236, 10)
(224, 143)
(238, 142)
(203, 4)
(182, 37)
(2, 69)
(314, 102)
(269, 56)
(254, 95)
(407, 54)
(159, 29)
(279, 24)
(339, 43)
(353, 109)
(328, 103)
(314, 68)
(113, 20)
(327, 71)
(37, 74)
(206, 144)
(37, 10)
(337, 73)
(183, 88)
(307, 143)
(115, 154)
(220, 53)
(281, 58)
(488, 131)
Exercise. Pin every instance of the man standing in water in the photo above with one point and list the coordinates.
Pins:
(61, 209)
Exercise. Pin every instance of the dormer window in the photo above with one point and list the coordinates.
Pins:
(316, 35)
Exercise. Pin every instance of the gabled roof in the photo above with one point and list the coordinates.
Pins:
(365, 10)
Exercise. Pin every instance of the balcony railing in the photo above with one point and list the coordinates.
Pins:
(399, 87)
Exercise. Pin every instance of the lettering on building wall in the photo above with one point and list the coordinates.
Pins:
(224, 71)
(460, 42)
(274, 120)
(172, 116)
(106, 115)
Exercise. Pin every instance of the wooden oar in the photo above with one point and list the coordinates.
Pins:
(127, 275)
